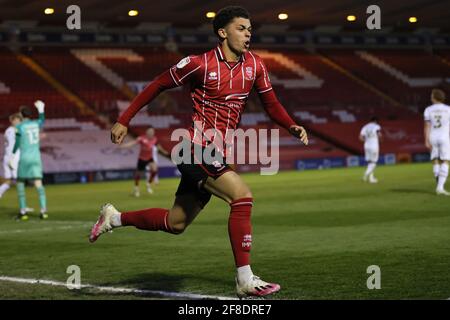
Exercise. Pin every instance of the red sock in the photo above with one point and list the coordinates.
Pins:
(153, 219)
(240, 230)
(152, 176)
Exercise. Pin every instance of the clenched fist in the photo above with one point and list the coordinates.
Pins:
(299, 132)
(118, 133)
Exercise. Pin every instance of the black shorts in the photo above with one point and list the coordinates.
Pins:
(195, 173)
(142, 164)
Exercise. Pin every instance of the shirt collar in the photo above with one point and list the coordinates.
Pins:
(221, 55)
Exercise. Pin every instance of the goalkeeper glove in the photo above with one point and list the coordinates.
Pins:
(39, 105)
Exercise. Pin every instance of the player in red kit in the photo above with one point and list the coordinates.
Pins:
(220, 81)
(147, 142)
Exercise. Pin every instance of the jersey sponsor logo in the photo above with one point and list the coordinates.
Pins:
(183, 62)
(239, 96)
(212, 75)
(236, 104)
(248, 73)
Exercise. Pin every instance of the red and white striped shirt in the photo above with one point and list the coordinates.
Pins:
(219, 92)
(147, 144)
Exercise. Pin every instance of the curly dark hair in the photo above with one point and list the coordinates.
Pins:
(226, 15)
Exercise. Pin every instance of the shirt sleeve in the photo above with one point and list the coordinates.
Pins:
(275, 110)
(186, 70)
(272, 106)
(262, 81)
(363, 131)
(426, 115)
(41, 120)
(162, 82)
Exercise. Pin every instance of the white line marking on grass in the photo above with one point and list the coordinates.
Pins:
(66, 222)
(167, 294)
(43, 229)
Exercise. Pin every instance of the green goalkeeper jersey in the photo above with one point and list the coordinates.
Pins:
(28, 141)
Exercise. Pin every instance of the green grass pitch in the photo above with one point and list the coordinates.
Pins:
(315, 233)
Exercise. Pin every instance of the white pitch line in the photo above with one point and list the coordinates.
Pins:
(42, 229)
(167, 294)
(35, 222)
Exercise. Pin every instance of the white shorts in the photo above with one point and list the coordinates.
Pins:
(371, 155)
(9, 173)
(440, 150)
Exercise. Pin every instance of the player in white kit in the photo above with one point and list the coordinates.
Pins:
(155, 158)
(10, 160)
(371, 134)
(437, 137)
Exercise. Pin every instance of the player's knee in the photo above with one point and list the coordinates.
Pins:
(239, 194)
(178, 228)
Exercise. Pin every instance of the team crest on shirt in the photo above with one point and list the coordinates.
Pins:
(248, 73)
(216, 164)
(183, 62)
(212, 75)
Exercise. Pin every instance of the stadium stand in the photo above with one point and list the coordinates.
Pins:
(332, 90)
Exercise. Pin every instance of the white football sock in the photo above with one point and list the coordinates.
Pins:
(370, 167)
(436, 168)
(244, 273)
(116, 220)
(443, 173)
(3, 188)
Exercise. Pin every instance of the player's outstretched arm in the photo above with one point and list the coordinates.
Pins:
(40, 106)
(129, 144)
(184, 71)
(162, 82)
(163, 151)
(278, 114)
(272, 106)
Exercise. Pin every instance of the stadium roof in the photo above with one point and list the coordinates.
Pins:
(191, 13)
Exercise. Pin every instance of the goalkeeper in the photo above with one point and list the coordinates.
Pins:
(30, 163)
